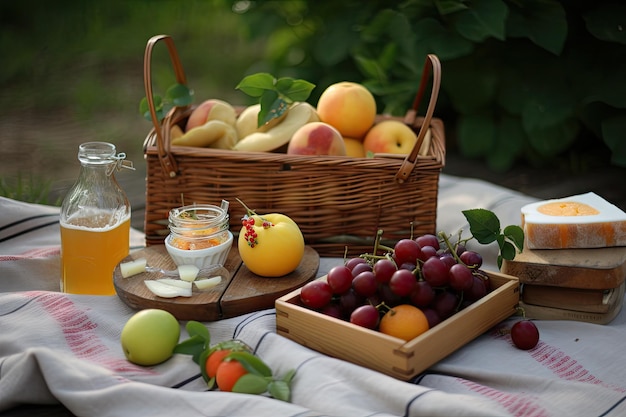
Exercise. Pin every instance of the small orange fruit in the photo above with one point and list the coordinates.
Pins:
(228, 373)
(404, 321)
(214, 360)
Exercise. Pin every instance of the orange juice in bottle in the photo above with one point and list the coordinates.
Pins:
(95, 223)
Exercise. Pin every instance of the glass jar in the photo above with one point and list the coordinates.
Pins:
(95, 222)
(198, 226)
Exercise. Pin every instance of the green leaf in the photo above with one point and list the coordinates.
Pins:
(251, 384)
(544, 22)
(606, 22)
(202, 358)
(476, 134)
(550, 105)
(509, 143)
(471, 84)
(299, 90)
(194, 346)
(553, 140)
(256, 85)
(371, 69)
(272, 106)
(180, 95)
(450, 6)
(507, 251)
(481, 20)
(332, 45)
(251, 362)
(280, 390)
(288, 377)
(158, 107)
(607, 85)
(444, 43)
(283, 84)
(195, 328)
(389, 54)
(516, 235)
(484, 225)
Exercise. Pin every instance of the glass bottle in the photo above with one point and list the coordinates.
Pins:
(95, 222)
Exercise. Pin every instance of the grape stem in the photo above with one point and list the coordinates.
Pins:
(377, 246)
(446, 240)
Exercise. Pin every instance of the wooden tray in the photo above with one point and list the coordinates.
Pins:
(387, 354)
(243, 292)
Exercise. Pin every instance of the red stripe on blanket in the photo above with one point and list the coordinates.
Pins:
(33, 254)
(561, 364)
(80, 333)
(517, 405)
(566, 367)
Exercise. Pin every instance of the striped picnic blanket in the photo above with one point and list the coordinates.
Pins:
(62, 348)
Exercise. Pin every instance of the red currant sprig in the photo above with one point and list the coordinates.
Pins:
(250, 235)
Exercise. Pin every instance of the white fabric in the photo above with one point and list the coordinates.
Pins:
(64, 348)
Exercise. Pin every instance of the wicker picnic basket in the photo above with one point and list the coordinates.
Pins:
(338, 202)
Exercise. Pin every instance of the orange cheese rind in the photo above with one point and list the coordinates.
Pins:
(579, 221)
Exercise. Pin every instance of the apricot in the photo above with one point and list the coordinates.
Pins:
(390, 136)
(317, 138)
(349, 107)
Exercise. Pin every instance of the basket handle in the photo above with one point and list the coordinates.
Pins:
(432, 65)
(165, 156)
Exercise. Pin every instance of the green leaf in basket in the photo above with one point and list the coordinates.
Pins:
(272, 107)
(275, 95)
(298, 90)
(255, 85)
(158, 107)
(180, 95)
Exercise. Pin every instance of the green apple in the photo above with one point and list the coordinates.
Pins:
(150, 336)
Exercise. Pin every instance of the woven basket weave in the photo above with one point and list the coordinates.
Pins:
(338, 202)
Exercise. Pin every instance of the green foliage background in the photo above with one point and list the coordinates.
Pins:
(541, 81)
(536, 82)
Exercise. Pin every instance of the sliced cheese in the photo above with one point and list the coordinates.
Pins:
(128, 269)
(580, 221)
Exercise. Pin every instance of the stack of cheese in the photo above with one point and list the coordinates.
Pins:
(574, 260)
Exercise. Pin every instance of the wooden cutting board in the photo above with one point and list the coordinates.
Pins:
(600, 269)
(243, 292)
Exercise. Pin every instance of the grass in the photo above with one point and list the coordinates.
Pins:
(30, 190)
(74, 73)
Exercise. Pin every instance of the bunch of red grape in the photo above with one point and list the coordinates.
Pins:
(437, 277)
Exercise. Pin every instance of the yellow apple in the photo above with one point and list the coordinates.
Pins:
(270, 245)
(212, 109)
(316, 138)
(150, 336)
(390, 136)
(354, 147)
(349, 107)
